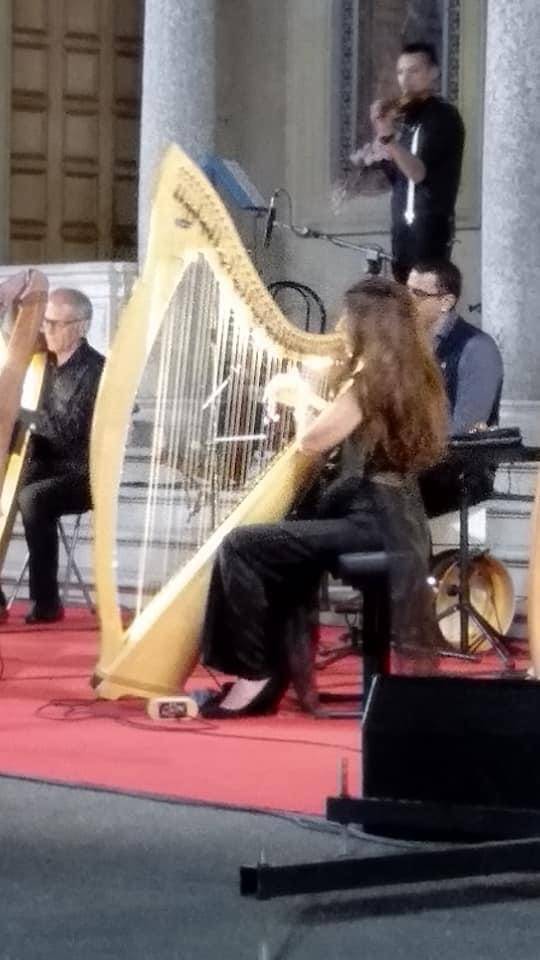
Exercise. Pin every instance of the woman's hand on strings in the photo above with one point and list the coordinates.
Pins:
(289, 389)
(283, 389)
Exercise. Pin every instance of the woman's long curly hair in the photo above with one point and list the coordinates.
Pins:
(399, 387)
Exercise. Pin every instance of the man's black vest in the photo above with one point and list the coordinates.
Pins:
(448, 354)
(440, 486)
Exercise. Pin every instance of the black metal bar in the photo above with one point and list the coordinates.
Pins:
(507, 856)
(463, 568)
(495, 638)
(452, 819)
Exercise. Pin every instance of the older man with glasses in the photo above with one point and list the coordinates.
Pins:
(56, 478)
(472, 368)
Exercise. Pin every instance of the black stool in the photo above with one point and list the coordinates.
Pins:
(369, 574)
(350, 641)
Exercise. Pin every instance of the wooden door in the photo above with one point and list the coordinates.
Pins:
(74, 141)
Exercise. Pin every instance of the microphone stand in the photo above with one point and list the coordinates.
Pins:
(376, 257)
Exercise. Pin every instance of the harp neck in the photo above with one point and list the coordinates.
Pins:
(17, 349)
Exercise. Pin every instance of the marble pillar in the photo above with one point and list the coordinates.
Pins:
(511, 204)
(5, 125)
(178, 89)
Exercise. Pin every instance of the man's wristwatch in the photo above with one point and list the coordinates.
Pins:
(388, 138)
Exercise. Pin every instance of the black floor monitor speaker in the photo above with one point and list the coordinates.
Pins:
(453, 740)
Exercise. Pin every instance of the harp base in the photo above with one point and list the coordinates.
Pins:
(172, 708)
(109, 688)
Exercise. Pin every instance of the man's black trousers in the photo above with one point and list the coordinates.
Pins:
(43, 499)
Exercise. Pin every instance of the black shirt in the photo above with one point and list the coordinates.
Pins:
(440, 138)
(61, 433)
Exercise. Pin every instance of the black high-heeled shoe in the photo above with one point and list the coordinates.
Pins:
(264, 703)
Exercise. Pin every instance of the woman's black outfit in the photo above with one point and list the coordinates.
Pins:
(265, 576)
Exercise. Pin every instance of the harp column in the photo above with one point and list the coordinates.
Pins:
(178, 82)
(511, 205)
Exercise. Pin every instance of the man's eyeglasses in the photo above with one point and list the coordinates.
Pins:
(423, 294)
(55, 324)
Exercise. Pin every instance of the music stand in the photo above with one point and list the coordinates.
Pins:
(469, 453)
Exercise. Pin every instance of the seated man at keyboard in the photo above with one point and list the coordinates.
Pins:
(472, 368)
(56, 476)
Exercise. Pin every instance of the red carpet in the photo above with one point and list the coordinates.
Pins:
(53, 729)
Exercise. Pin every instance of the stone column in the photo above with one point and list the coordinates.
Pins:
(178, 89)
(5, 124)
(511, 204)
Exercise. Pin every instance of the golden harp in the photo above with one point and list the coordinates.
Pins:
(22, 368)
(203, 326)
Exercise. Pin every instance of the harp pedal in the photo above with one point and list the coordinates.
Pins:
(172, 708)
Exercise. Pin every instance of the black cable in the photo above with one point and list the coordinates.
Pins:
(309, 295)
(210, 727)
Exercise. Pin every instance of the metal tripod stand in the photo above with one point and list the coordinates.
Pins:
(462, 591)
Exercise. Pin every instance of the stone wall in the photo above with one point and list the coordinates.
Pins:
(278, 99)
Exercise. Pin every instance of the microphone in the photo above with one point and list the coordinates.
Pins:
(270, 221)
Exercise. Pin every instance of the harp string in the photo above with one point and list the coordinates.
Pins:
(228, 368)
(231, 426)
(186, 372)
(148, 579)
(195, 372)
(153, 484)
(178, 348)
(256, 424)
(210, 440)
(199, 463)
(247, 448)
(171, 479)
(207, 376)
(188, 423)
